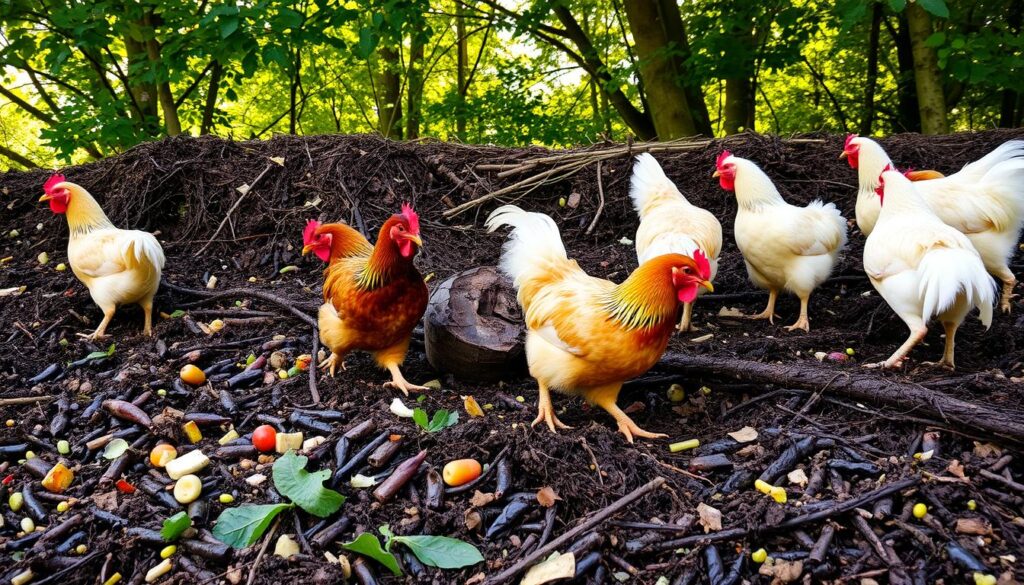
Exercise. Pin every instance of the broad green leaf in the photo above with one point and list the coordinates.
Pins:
(368, 545)
(177, 313)
(227, 26)
(175, 526)
(441, 551)
(442, 420)
(242, 526)
(419, 416)
(897, 5)
(303, 488)
(935, 7)
(936, 39)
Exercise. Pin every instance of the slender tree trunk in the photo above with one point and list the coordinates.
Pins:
(415, 83)
(871, 82)
(389, 110)
(293, 112)
(740, 99)
(143, 93)
(462, 71)
(930, 97)
(675, 30)
(18, 158)
(1008, 111)
(909, 115)
(170, 111)
(666, 97)
(211, 98)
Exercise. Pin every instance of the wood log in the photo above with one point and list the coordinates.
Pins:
(473, 327)
(860, 385)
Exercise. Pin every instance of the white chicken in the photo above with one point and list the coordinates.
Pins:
(922, 267)
(984, 200)
(669, 224)
(117, 266)
(785, 247)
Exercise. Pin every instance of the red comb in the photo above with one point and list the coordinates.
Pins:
(849, 139)
(307, 233)
(721, 158)
(703, 266)
(411, 217)
(55, 179)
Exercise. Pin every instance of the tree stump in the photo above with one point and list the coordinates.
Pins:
(474, 327)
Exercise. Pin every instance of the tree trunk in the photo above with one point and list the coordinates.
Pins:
(675, 30)
(144, 95)
(211, 98)
(293, 112)
(462, 71)
(927, 80)
(666, 97)
(909, 119)
(868, 118)
(172, 124)
(415, 83)
(389, 108)
(18, 158)
(739, 88)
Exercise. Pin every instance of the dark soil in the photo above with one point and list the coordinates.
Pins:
(184, 187)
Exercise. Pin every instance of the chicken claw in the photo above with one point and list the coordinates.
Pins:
(405, 386)
(332, 363)
(802, 323)
(630, 429)
(546, 412)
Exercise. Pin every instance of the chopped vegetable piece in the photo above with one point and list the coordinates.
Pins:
(58, 478)
(228, 437)
(461, 471)
(190, 374)
(168, 551)
(264, 438)
(684, 445)
(162, 454)
(286, 441)
(190, 462)
(158, 571)
(192, 431)
(187, 489)
(124, 487)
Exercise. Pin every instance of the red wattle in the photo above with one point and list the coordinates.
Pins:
(687, 295)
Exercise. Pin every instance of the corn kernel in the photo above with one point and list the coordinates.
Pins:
(30, 455)
(81, 549)
(63, 507)
(158, 571)
(28, 525)
(15, 501)
(226, 498)
(759, 556)
(972, 505)
(192, 431)
(167, 551)
(113, 580)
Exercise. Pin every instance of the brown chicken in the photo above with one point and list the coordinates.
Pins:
(373, 295)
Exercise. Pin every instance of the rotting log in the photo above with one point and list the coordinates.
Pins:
(863, 386)
(473, 327)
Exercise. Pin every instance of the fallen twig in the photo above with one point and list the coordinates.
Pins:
(244, 292)
(595, 520)
(25, 400)
(600, 204)
(227, 216)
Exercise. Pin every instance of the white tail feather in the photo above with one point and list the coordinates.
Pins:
(533, 245)
(948, 273)
(1007, 151)
(144, 249)
(649, 183)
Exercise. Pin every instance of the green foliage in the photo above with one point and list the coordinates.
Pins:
(242, 526)
(175, 526)
(368, 545)
(435, 551)
(303, 488)
(441, 420)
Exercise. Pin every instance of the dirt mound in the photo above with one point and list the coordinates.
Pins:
(186, 187)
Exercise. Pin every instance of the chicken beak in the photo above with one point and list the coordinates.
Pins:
(707, 284)
(415, 239)
(842, 155)
(715, 174)
(307, 249)
(46, 197)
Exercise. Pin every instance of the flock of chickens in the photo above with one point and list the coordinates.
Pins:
(932, 242)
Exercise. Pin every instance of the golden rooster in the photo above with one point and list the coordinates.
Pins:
(922, 267)
(373, 295)
(586, 336)
(118, 266)
(669, 224)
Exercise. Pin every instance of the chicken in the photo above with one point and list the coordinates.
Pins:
(119, 267)
(785, 247)
(923, 267)
(586, 336)
(670, 224)
(373, 295)
(984, 200)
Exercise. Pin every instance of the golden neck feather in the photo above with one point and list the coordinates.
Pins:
(84, 214)
(647, 298)
(383, 264)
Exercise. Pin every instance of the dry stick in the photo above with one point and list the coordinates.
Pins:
(263, 551)
(996, 477)
(600, 205)
(593, 522)
(909, 398)
(313, 391)
(244, 292)
(25, 400)
(232, 210)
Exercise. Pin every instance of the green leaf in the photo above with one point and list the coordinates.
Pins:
(368, 545)
(175, 526)
(935, 40)
(442, 420)
(897, 5)
(441, 551)
(304, 488)
(242, 526)
(419, 416)
(177, 313)
(100, 355)
(935, 7)
(368, 40)
(227, 26)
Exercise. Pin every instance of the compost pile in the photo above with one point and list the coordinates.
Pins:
(835, 471)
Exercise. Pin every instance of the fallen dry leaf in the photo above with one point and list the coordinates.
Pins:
(798, 477)
(472, 407)
(744, 435)
(710, 518)
(473, 519)
(547, 497)
(973, 526)
(279, 160)
(751, 451)
(956, 468)
(555, 567)
(729, 312)
(480, 499)
(986, 450)
(782, 571)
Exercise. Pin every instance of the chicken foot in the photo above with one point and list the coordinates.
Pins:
(803, 322)
(147, 311)
(331, 363)
(896, 359)
(947, 352)
(101, 331)
(399, 381)
(1009, 281)
(769, 311)
(606, 398)
(685, 324)
(546, 411)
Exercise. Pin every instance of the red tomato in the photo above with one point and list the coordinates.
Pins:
(264, 438)
(125, 487)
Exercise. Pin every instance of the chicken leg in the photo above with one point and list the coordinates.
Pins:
(803, 322)
(546, 411)
(606, 397)
(685, 323)
(101, 331)
(769, 311)
(896, 359)
(147, 311)
(391, 358)
(947, 352)
(1004, 274)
